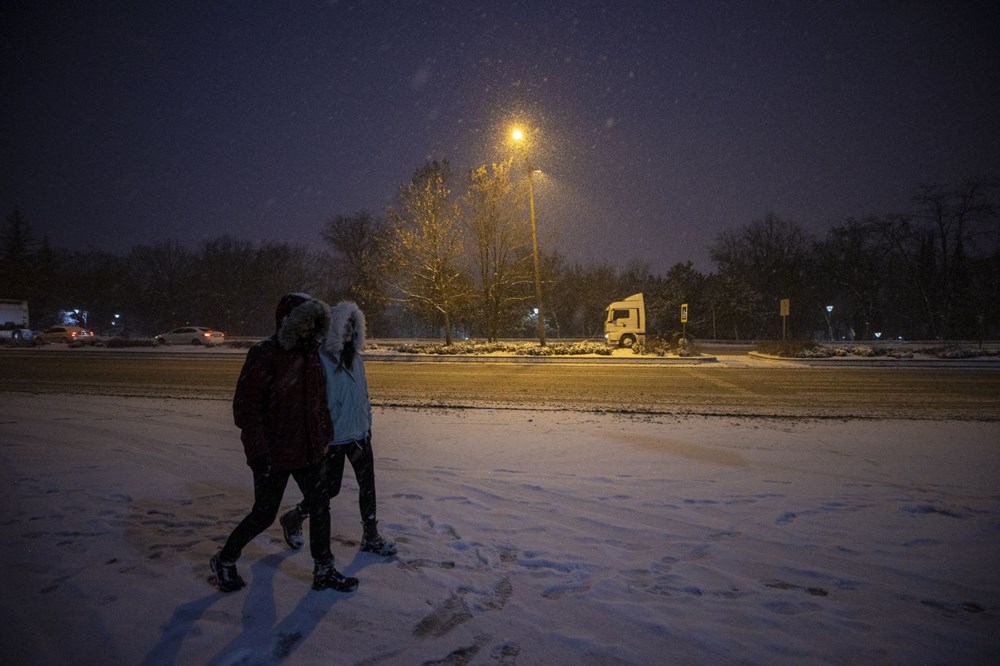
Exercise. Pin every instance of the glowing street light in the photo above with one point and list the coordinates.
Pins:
(518, 136)
(829, 326)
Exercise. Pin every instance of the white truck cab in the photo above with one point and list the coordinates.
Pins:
(625, 322)
(14, 322)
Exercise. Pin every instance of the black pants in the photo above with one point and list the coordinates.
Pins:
(363, 461)
(267, 493)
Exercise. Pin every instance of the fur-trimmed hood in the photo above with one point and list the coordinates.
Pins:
(340, 314)
(298, 312)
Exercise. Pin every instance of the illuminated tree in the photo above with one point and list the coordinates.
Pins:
(426, 269)
(502, 250)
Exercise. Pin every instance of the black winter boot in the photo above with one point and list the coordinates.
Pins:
(373, 542)
(227, 579)
(326, 576)
(291, 528)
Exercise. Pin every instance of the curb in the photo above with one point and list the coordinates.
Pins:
(570, 360)
(989, 363)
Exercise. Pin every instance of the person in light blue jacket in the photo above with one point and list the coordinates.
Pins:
(351, 411)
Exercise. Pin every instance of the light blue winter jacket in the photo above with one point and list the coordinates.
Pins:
(346, 390)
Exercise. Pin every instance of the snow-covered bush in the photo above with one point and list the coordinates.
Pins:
(472, 347)
(580, 348)
(951, 352)
(793, 349)
(652, 345)
(677, 345)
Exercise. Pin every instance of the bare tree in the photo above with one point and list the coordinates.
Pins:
(683, 283)
(955, 215)
(767, 260)
(360, 244)
(579, 294)
(502, 254)
(733, 307)
(279, 268)
(225, 285)
(428, 247)
(162, 274)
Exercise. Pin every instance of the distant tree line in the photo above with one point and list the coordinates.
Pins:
(441, 263)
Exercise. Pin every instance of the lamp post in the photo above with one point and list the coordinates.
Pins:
(829, 326)
(518, 137)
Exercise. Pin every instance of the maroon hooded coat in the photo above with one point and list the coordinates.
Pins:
(280, 401)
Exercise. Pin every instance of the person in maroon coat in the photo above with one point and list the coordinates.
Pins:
(281, 410)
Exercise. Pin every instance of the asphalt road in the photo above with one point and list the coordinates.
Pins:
(759, 389)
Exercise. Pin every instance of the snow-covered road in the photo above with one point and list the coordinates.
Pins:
(754, 387)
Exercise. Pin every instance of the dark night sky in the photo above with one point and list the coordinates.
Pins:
(657, 124)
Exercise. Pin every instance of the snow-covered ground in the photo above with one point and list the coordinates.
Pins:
(526, 537)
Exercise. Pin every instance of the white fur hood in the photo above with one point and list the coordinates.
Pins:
(340, 314)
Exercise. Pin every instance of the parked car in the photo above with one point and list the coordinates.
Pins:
(192, 335)
(65, 334)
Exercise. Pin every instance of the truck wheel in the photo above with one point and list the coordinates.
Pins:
(627, 341)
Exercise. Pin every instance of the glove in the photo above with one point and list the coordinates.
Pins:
(261, 465)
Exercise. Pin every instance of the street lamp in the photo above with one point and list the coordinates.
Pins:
(829, 326)
(518, 136)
